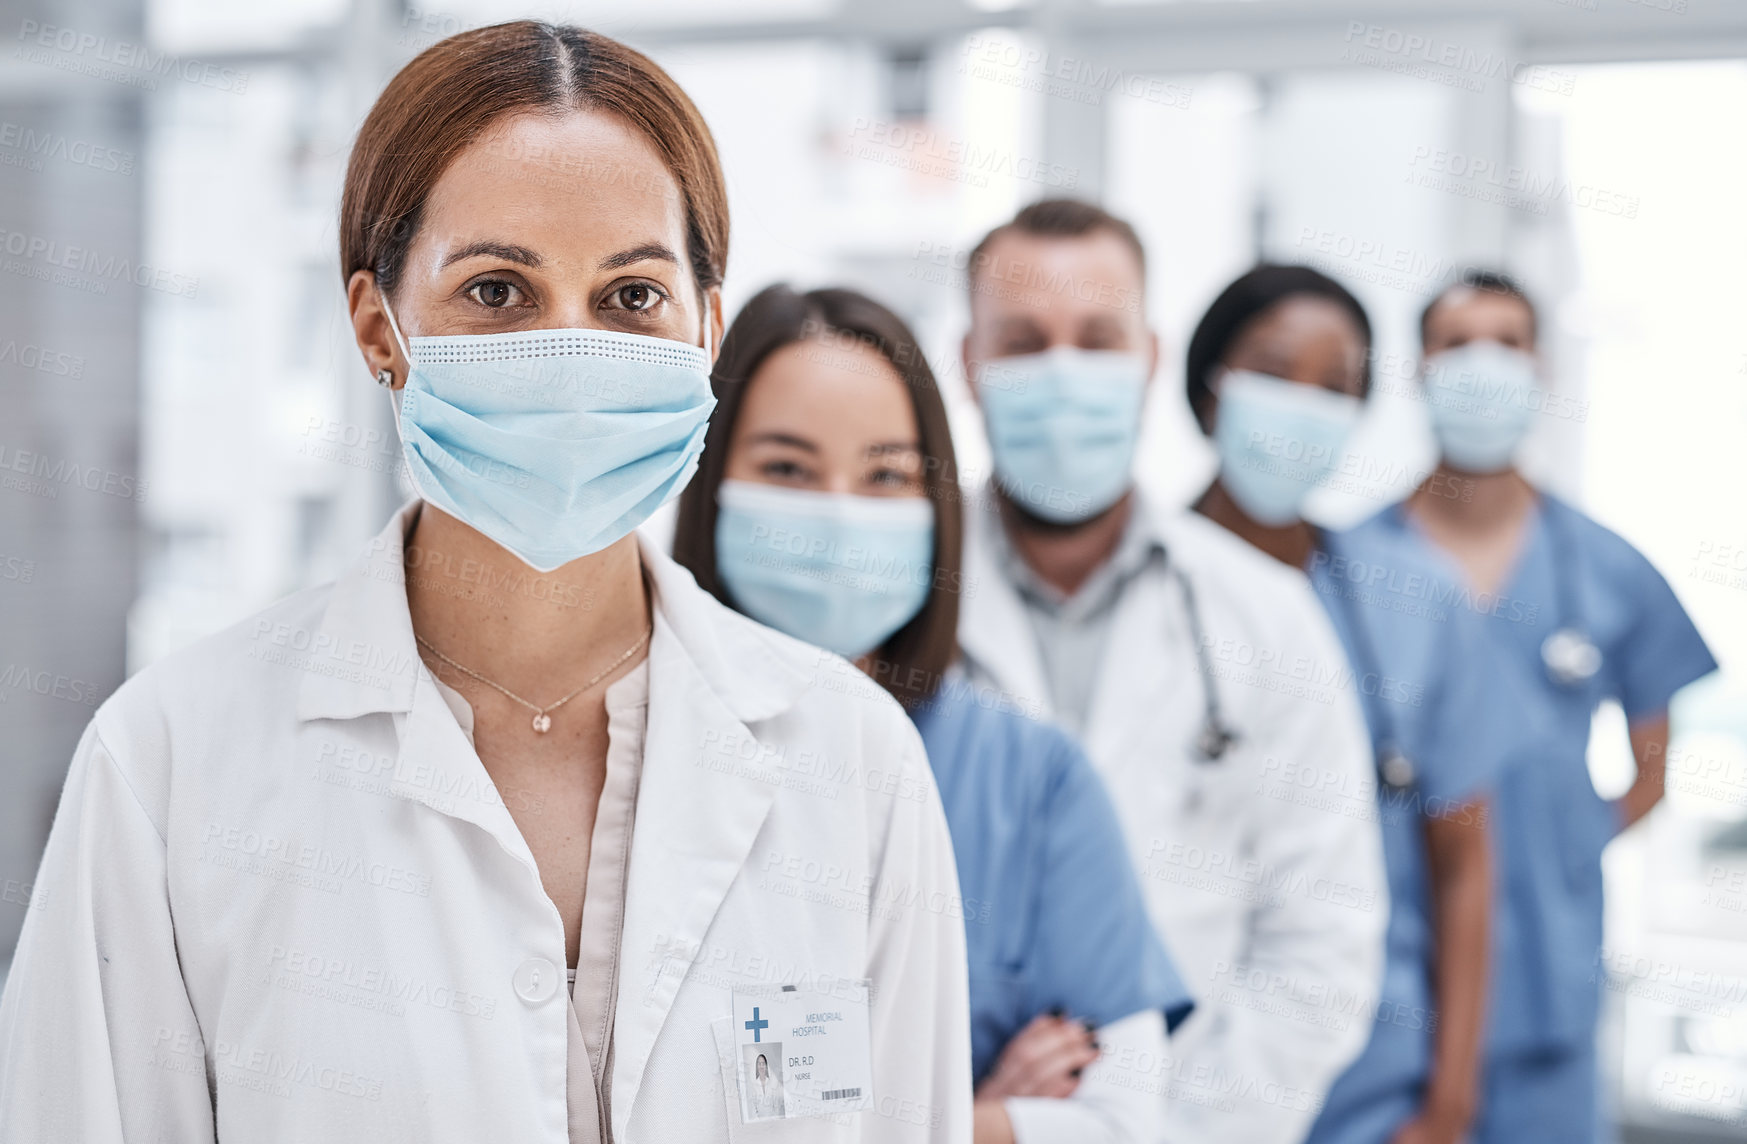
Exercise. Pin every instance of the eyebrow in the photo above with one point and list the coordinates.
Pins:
(507, 251)
(659, 251)
(1022, 324)
(893, 447)
(777, 438)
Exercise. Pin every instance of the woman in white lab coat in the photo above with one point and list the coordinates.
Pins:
(766, 1097)
(319, 876)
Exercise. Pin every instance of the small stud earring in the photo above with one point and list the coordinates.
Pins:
(385, 378)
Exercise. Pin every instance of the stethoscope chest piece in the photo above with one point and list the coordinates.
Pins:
(1571, 657)
(1213, 741)
(1396, 769)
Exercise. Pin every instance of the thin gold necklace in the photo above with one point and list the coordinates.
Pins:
(542, 718)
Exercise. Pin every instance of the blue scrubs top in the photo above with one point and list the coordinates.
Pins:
(1054, 917)
(1420, 669)
(1551, 824)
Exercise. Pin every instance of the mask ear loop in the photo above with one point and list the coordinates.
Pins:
(394, 325)
(709, 329)
(394, 395)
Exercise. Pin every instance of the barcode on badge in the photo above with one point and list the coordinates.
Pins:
(840, 1094)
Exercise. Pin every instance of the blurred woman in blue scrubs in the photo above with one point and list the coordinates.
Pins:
(827, 506)
(1581, 617)
(1278, 370)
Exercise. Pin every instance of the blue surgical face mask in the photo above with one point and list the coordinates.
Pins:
(1482, 397)
(554, 443)
(1062, 428)
(843, 572)
(1277, 440)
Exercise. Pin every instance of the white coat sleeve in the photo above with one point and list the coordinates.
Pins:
(1115, 1103)
(1294, 1008)
(98, 1040)
(921, 1003)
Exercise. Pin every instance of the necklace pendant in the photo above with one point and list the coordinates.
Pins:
(542, 723)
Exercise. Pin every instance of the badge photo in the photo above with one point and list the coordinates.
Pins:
(761, 1081)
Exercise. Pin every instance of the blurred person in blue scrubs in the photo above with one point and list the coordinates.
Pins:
(1580, 617)
(1278, 371)
(1203, 677)
(827, 506)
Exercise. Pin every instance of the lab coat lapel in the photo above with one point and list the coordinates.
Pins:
(439, 767)
(707, 786)
(364, 660)
(993, 631)
(1135, 675)
(1145, 654)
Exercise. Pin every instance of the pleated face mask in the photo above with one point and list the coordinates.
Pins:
(1482, 397)
(843, 572)
(554, 443)
(1063, 426)
(1278, 440)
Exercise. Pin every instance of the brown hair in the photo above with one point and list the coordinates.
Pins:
(1058, 218)
(912, 662)
(1482, 282)
(451, 92)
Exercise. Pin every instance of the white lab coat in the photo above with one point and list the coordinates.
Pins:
(766, 1097)
(1270, 897)
(282, 900)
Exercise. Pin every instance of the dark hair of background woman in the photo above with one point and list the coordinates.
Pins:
(1246, 299)
(911, 663)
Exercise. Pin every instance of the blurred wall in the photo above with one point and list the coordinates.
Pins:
(72, 280)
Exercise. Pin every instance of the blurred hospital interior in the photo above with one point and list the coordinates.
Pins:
(215, 442)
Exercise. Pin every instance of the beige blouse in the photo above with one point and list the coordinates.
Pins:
(594, 980)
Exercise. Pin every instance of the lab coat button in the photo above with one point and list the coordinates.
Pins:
(536, 980)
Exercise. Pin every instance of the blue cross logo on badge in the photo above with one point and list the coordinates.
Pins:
(756, 1025)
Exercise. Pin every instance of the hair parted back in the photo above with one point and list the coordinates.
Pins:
(455, 90)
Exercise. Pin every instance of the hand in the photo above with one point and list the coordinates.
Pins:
(1044, 1059)
(1431, 1128)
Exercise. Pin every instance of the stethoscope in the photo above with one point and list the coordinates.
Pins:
(1394, 765)
(1215, 736)
(1571, 657)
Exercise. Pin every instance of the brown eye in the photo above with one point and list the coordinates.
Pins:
(637, 297)
(494, 294)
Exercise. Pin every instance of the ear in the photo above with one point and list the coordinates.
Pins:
(1205, 409)
(964, 363)
(713, 319)
(1153, 351)
(371, 330)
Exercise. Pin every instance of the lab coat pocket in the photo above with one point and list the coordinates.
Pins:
(723, 1030)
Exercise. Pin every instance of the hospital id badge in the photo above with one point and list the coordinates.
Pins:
(802, 1052)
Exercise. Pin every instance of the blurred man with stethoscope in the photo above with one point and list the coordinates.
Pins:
(1204, 678)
